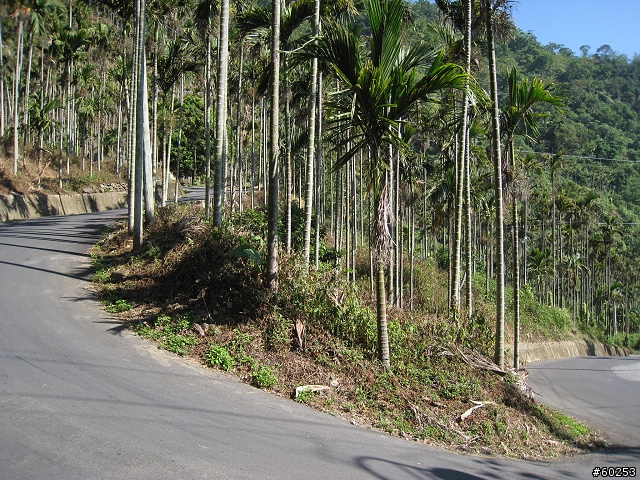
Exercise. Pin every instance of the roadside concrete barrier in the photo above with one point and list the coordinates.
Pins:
(21, 207)
(72, 204)
(537, 352)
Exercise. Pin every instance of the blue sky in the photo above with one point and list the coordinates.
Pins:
(574, 23)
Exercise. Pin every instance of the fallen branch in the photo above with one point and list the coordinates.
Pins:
(522, 384)
(310, 388)
(477, 360)
(466, 414)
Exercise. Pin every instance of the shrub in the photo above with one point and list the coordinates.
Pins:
(118, 306)
(262, 376)
(220, 357)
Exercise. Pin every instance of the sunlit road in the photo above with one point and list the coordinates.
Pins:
(82, 399)
(602, 391)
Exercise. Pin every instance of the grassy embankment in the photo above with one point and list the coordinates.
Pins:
(197, 291)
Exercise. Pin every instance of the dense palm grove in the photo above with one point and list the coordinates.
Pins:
(384, 132)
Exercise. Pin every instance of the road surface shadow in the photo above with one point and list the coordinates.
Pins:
(388, 470)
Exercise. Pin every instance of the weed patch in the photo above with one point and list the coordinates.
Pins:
(118, 306)
(204, 288)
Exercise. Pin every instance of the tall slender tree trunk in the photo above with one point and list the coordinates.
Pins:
(390, 185)
(253, 150)
(239, 161)
(207, 122)
(497, 171)
(412, 253)
(221, 115)
(148, 173)
(16, 93)
(274, 151)
(458, 204)
(469, 224)
(383, 240)
(179, 154)
(288, 182)
(27, 93)
(308, 207)
(2, 106)
(154, 109)
(516, 268)
(60, 164)
(381, 305)
(467, 163)
(119, 135)
(68, 150)
(166, 171)
(143, 167)
(319, 197)
(133, 105)
(553, 239)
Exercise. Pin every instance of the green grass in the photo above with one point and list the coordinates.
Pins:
(118, 306)
(220, 357)
(263, 376)
(173, 334)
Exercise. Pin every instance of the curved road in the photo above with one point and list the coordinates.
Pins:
(82, 399)
(602, 391)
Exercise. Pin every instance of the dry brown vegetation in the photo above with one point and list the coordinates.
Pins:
(78, 179)
(193, 291)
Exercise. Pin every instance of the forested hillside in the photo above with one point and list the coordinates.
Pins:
(587, 158)
(378, 144)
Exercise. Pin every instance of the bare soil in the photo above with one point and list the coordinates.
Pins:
(185, 285)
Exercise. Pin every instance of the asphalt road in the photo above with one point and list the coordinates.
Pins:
(82, 399)
(602, 391)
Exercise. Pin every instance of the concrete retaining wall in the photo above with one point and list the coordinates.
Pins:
(537, 352)
(20, 207)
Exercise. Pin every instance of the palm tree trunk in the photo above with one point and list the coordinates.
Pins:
(133, 105)
(354, 221)
(383, 240)
(412, 253)
(26, 100)
(381, 305)
(207, 123)
(119, 135)
(397, 244)
(469, 266)
(458, 203)
(253, 150)
(516, 268)
(311, 159)
(221, 114)
(16, 93)
(60, 167)
(239, 162)
(148, 170)
(289, 186)
(154, 108)
(274, 147)
(497, 164)
(2, 107)
(467, 161)
(69, 139)
(143, 171)
(166, 170)
(319, 197)
(391, 183)
(179, 154)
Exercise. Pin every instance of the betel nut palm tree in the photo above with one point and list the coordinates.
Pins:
(519, 117)
(381, 82)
